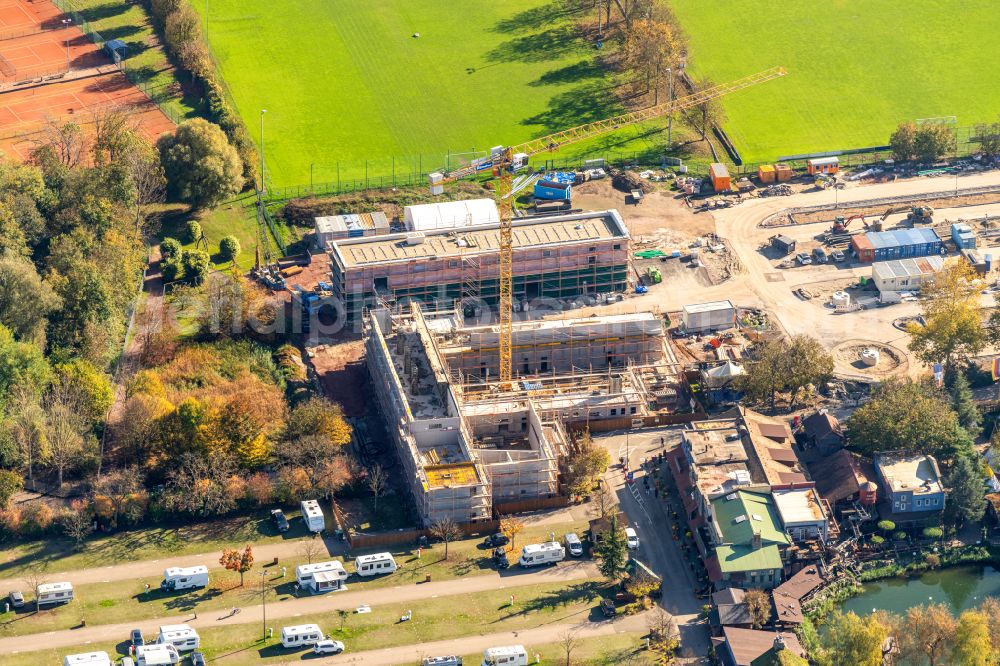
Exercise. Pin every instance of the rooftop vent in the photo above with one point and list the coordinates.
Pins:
(739, 519)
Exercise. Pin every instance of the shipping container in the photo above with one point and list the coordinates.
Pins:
(713, 316)
(719, 176)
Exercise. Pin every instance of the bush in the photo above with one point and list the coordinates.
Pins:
(170, 248)
(196, 266)
(899, 536)
(933, 560)
(201, 166)
(886, 525)
(173, 269)
(877, 540)
(933, 533)
(229, 248)
(192, 231)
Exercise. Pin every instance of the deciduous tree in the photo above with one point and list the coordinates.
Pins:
(229, 248)
(651, 48)
(377, 482)
(11, 483)
(702, 117)
(988, 137)
(953, 329)
(65, 429)
(850, 639)
(25, 299)
(927, 632)
(511, 526)
(200, 165)
(758, 606)
(77, 522)
(319, 416)
(934, 141)
(446, 530)
(903, 142)
(972, 646)
(240, 561)
(118, 487)
(584, 465)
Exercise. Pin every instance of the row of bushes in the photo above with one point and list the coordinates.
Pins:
(180, 26)
(879, 569)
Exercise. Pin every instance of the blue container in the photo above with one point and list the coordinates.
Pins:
(552, 191)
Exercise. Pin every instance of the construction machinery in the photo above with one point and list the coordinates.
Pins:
(915, 214)
(503, 160)
(842, 224)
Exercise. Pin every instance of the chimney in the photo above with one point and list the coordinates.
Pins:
(756, 540)
(779, 643)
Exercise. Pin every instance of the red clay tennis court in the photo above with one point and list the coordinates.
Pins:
(18, 15)
(48, 52)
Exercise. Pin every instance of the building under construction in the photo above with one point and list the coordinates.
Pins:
(466, 441)
(561, 257)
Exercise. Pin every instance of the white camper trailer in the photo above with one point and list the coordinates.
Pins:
(537, 554)
(184, 578)
(155, 654)
(181, 636)
(509, 655)
(321, 576)
(55, 593)
(375, 564)
(313, 515)
(87, 659)
(302, 635)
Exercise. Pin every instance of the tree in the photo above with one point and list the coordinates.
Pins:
(25, 299)
(850, 639)
(927, 632)
(77, 522)
(229, 248)
(377, 482)
(90, 385)
(807, 362)
(192, 231)
(972, 646)
(142, 162)
(613, 551)
(322, 464)
(201, 166)
(319, 416)
(568, 642)
(34, 580)
(11, 484)
(903, 142)
(604, 501)
(967, 495)
(765, 372)
(240, 561)
(907, 416)
(511, 526)
(664, 639)
(933, 141)
(27, 427)
(990, 608)
(170, 248)
(887, 526)
(196, 264)
(447, 530)
(758, 606)
(64, 143)
(988, 137)
(651, 48)
(198, 486)
(584, 465)
(953, 329)
(21, 364)
(311, 548)
(65, 429)
(118, 486)
(965, 406)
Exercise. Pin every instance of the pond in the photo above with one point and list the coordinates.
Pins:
(958, 587)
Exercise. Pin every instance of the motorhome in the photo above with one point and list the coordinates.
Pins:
(184, 578)
(313, 515)
(301, 635)
(155, 654)
(375, 564)
(537, 554)
(87, 659)
(321, 576)
(181, 636)
(55, 593)
(510, 655)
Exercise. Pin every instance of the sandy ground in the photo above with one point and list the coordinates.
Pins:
(659, 211)
(341, 370)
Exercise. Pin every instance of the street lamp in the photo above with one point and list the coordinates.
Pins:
(67, 22)
(262, 112)
(263, 601)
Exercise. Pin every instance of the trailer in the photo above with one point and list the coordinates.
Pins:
(301, 635)
(374, 564)
(155, 654)
(321, 576)
(313, 515)
(55, 593)
(508, 655)
(538, 554)
(87, 659)
(181, 636)
(184, 578)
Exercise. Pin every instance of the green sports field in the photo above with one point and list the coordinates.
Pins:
(856, 67)
(346, 80)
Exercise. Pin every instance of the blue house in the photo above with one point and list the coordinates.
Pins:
(911, 484)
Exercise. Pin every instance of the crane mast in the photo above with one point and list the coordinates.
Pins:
(502, 161)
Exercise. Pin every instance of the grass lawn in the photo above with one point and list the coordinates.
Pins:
(855, 69)
(348, 82)
(147, 59)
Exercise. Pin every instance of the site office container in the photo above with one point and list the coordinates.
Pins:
(719, 175)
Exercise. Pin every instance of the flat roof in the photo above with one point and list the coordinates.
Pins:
(905, 472)
(901, 268)
(820, 161)
(899, 237)
(711, 306)
(459, 474)
(480, 239)
(800, 505)
(712, 447)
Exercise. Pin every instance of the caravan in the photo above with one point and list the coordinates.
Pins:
(375, 564)
(184, 578)
(156, 655)
(55, 593)
(181, 636)
(302, 635)
(313, 515)
(510, 655)
(537, 554)
(87, 659)
(321, 576)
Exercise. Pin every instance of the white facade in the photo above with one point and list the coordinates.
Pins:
(183, 578)
(713, 316)
(55, 593)
(181, 636)
(905, 274)
(510, 655)
(450, 214)
(802, 514)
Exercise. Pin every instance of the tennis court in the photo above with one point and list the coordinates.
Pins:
(48, 52)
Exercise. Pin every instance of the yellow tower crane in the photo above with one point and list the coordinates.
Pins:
(502, 160)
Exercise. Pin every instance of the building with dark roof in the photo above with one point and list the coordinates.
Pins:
(749, 647)
(822, 431)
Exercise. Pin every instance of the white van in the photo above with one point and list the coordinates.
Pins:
(321, 576)
(537, 554)
(302, 635)
(55, 593)
(181, 636)
(184, 578)
(313, 515)
(155, 654)
(375, 564)
(510, 655)
(87, 659)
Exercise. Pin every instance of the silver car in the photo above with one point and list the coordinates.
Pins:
(573, 544)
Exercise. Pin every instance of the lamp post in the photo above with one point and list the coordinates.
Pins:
(66, 23)
(262, 112)
(263, 601)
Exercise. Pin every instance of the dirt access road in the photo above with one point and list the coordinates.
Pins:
(349, 599)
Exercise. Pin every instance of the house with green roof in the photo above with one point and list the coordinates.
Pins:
(749, 541)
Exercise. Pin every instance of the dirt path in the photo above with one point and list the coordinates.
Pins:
(552, 633)
(350, 599)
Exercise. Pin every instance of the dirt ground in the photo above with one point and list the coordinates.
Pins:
(879, 210)
(660, 211)
(341, 370)
(847, 359)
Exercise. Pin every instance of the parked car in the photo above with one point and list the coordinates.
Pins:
(278, 516)
(328, 647)
(197, 659)
(498, 539)
(136, 638)
(573, 544)
(803, 258)
(838, 256)
(16, 599)
(500, 558)
(819, 255)
(631, 538)
(608, 608)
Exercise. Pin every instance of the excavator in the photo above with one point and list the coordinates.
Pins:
(841, 224)
(916, 214)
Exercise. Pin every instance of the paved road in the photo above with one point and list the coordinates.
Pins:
(656, 548)
(349, 599)
(553, 633)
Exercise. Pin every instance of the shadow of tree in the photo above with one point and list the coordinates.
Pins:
(536, 17)
(552, 44)
(107, 10)
(577, 592)
(189, 601)
(582, 104)
(588, 68)
(121, 32)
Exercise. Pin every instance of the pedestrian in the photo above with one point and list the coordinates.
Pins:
(196, 615)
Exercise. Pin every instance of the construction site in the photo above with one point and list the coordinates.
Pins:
(470, 442)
